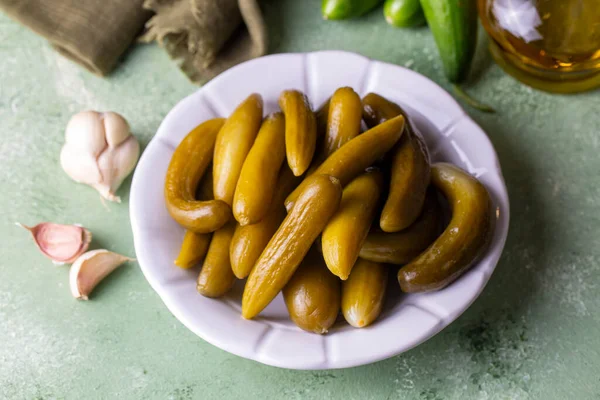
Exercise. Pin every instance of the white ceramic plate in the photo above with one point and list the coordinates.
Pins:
(273, 339)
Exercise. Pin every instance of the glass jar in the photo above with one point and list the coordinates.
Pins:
(552, 45)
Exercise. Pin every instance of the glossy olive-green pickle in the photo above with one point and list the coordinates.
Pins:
(312, 296)
(249, 241)
(402, 247)
(216, 277)
(317, 202)
(188, 165)
(410, 171)
(193, 249)
(464, 239)
(258, 178)
(338, 121)
(343, 120)
(355, 156)
(346, 231)
(363, 293)
(233, 144)
(410, 176)
(377, 109)
(300, 130)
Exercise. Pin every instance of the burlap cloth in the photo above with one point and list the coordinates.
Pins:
(204, 36)
(207, 36)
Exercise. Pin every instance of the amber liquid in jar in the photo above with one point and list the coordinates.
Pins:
(553, 45)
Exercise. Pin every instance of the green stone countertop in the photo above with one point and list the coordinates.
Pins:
(533, 334)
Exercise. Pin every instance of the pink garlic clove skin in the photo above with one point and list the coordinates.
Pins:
(90, 269)
(61, 243)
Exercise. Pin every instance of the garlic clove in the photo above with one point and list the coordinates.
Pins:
(115, 165)
(99, 151)
(116, 128)
(60, 243)
(85, 131)
(82, 166)
(90, 268)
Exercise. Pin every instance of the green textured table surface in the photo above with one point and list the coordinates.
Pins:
(533, 333)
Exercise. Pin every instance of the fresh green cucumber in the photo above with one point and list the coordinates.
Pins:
(344, 9)
(403, 13)
(454, 27)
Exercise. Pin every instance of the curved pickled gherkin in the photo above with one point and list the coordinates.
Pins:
(363, 293)
(249, 241)
(338, 121)
(410, 170)
(216, 277)
(234, 141)
(193, 249)
(377, 109)
(464, 239)
(346, 231)
(410, 176)
(258, 177)
(402, 247)
(300, 130)
(187, 167)
(316, 204)
(343, 120)
(312, 296)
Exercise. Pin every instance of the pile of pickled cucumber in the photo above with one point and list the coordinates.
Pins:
(306, 203)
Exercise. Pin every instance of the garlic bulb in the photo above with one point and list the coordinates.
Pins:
(99, 151)
(60, 243)
(90, 268)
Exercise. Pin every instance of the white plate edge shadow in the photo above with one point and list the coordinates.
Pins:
(492, 256)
